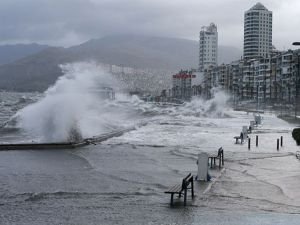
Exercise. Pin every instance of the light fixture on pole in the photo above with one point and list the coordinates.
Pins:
(297, 80)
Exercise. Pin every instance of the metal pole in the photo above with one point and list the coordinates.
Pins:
(249, 143)
(277, 144)
(257, 104)
(296, 86)
(265, 78)
(297, 79)
(256, 140)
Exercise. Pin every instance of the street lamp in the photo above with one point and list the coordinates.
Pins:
(296, 80)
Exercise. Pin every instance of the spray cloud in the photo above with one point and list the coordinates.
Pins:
(69, 108)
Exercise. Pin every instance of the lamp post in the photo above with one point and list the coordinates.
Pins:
(257, 102)
(296, 80)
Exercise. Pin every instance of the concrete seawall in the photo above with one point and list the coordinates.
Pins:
(66, 145)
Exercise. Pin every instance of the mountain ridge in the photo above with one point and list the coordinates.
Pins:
(11, 53)
(38, 71)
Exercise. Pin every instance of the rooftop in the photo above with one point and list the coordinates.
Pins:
(258, 6)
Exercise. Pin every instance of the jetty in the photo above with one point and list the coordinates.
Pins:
(66, 145)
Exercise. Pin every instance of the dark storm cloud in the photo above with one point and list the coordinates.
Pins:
(67, 22)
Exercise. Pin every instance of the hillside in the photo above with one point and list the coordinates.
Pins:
(11, 53)
(38, 71)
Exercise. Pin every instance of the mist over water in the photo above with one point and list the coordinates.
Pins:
(73, 108)
(214, 107)
(131, 172)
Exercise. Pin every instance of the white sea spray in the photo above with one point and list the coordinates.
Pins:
(72, 108)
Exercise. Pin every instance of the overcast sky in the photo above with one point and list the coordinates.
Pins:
(70, 22)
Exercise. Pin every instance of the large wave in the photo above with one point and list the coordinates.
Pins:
(215, 107)
(72, 108)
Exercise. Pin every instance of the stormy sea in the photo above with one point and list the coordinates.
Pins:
(122, 180)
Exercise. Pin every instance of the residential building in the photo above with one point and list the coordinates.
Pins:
(257, 32)
(208, 47)
(182, 85)
(271, 79)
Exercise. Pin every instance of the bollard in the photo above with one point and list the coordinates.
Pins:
(256, 140)
(249, 143)
(202, 163)
(281, 141)
(277, 144)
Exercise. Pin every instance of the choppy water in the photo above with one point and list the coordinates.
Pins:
(122, 180)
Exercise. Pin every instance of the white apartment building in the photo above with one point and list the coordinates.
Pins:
(257, 32)
(208, 47)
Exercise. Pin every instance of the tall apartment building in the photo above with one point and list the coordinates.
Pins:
(257, 32)
(208, 47)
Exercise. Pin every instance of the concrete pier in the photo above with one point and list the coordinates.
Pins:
(65, 145)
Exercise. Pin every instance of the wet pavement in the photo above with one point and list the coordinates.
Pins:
(124, 184)
(122, 180)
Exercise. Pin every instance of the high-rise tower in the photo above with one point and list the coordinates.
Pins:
(208, 46)
(257, 32)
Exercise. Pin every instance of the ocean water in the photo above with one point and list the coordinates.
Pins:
(122, 180)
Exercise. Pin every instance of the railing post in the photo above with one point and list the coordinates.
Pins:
(277, 144)
(185, 196)
(281, 141)
(192, 187)
(223, 157)
(249, 143)
(256, 140)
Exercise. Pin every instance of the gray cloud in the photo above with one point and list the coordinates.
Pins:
(68, 22)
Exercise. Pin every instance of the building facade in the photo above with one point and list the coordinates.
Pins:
(257, 32)
(208, 47)
(269, 80)
(182, 85)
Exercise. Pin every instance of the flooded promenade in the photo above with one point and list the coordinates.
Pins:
(122, 180)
